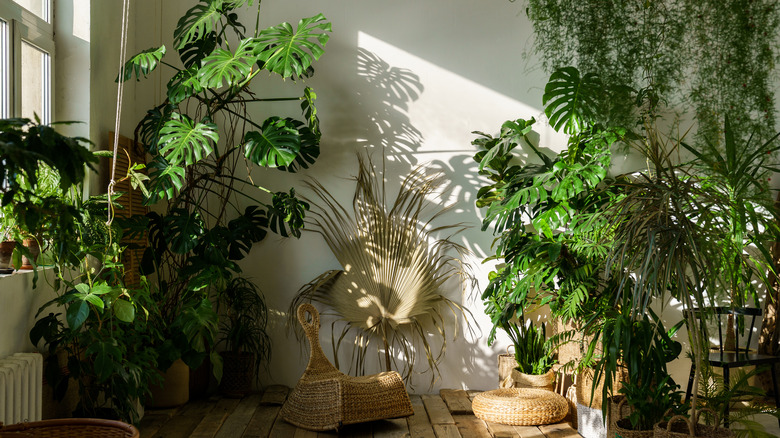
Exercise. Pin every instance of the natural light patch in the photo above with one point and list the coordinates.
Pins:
(449, 106)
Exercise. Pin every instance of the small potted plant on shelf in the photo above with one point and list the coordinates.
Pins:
(242, 326)
(533, 354)
(8, 237)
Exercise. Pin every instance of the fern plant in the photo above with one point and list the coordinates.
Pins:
(200, 138)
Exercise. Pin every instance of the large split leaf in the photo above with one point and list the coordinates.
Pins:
(277, 144)
(166, 178)
(198, 22)
(310, 148)
(289, 52)
(193, 52)
(571, 101)
(183, 228)
(183, 141)
(286, 212)
(183, 84)
(149, 127)
(223, 67)
(142, 64)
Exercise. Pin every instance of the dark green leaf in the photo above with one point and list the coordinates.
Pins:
(142, 64)
(287, 52)
(183, 141)
(278, 144)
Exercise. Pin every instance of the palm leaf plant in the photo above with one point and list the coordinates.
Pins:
(199, 139)
(390, 291)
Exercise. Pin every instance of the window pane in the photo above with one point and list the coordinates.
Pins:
(37, 7)
(36, 83)
(5, 70)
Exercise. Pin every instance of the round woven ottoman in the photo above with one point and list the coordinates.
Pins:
(520, 406)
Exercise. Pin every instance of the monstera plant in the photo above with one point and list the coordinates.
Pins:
(202, 139)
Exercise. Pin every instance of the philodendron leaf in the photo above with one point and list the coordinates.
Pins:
(287, 211)
(166, 179)
(124, 310)
(198, 22)
(278, 144)
(571, 101)
(223, 67)
(310, 149)
(193, 52)
(183, 84)
(141, 64)
(289, 52)
(183, 228)
(77, 313)
(183, 141)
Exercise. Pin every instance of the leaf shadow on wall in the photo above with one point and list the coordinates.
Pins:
(385, 93)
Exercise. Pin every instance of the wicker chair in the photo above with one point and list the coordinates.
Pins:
(325, 398)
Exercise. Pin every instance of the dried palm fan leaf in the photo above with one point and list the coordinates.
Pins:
(390, 290)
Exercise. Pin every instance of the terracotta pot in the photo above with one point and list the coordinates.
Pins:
(238, 374)
(35, 250)
(6, 251)
(174, 390)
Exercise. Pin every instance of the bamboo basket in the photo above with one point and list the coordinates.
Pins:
(520, 406)
(681, 427)
(71, 428)
(620, 425)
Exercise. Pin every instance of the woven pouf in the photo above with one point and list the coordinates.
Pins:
(520, 406)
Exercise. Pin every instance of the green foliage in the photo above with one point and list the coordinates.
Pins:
(142, 64)
(289, 52)
(533, 351)
(246, 317)
(713, 57)
(571, 100)
(198, 139)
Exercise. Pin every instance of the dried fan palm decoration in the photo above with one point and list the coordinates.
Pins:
(389, 293)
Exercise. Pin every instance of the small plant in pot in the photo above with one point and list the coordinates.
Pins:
(533, 353)
(242, 325)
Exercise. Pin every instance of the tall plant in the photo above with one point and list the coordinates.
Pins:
(391, 289)
(199, 139)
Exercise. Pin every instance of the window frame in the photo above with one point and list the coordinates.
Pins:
(25, 26)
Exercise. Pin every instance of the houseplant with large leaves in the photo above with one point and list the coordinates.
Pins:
(199, 139)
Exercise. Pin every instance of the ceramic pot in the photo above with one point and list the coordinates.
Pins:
(35, 250)
(174, 390)
(6, 251)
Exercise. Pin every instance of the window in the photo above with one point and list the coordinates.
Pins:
(26, 51)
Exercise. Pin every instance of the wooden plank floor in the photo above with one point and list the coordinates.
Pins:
(444, 415)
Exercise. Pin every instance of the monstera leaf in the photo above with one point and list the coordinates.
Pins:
(166, 180)
(183, 228)
(310, 148)
(310, 111)
(571, 101)
(182, 85)
(277, 144)
(198, 21)
(287, 211)
(287, 52)
(149, 127)
(183, 141)
(193, 52)
(245, 230)
(223, 67)
(142, 64)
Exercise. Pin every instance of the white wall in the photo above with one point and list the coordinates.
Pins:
(410, 79)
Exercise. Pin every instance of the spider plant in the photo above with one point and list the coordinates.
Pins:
(390, 290)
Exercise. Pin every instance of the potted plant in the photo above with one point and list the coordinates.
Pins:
(242, 326)
(199, 140)
(8, 237)
(533, 356)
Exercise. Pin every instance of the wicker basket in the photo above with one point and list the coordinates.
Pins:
(238, 374)
(520, 406)
(681, 427)
(71, 428)
(620, 426)
(325, 398)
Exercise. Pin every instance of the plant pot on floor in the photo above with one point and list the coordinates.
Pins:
(619, 425)
(680, 427)
(174, 390)
(521, 380)
(238, 374)
(6, 254)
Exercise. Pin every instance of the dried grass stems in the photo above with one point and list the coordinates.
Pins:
(390, 292)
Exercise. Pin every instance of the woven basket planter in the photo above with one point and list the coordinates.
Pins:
(510, 377)
(520, 406)
(238, 374)
(681, 427)
(71, 428)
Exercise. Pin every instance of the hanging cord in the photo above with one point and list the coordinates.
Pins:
(120, 89)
